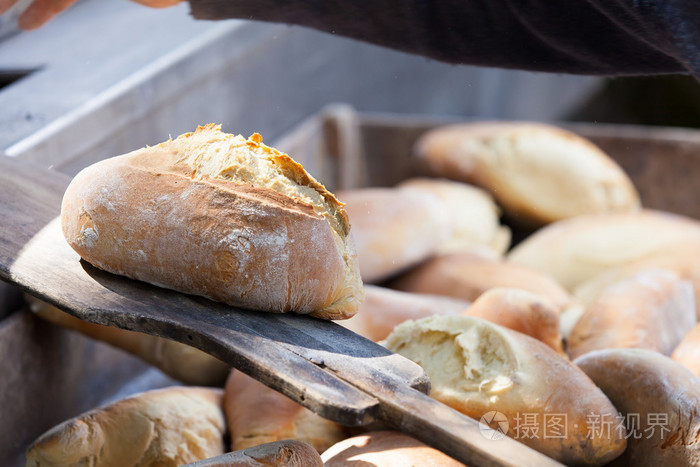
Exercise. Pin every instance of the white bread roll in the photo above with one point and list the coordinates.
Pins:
(575, 250)
(682, 259)
(169, 426)
(477, 367)
(473, 213)
(652, 309)
(687, 352)
(285, 453)
(394, 228)
(257, 414)
(522, 311)
(220, 216)
(179, 361)
(658, 398)
(385, 449)
(538, 173)
(384, 309)
(467, 275)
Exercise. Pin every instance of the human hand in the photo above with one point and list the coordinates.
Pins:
(41, 12)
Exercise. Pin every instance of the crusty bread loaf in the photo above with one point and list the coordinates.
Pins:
(521, 311)
(220, 216)
(467, 275)
(683, 259)
(659, 400)
(477, 367)
(179, 361)
(538, 173)
(287, 453)
(385, 449)
(473, 213)
(687, 352)
(384, 309)
(394, 228)
(257, 414)
(652, 309)
(165, 427)
(575, 250)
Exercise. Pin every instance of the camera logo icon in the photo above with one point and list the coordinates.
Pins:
(493, 425)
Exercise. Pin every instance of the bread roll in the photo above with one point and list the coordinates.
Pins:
(538, 173)
(521, 311)
(394, 228)
(473, 212)
(220, 216)
(385, 449)
(287, 453)
(652, 310)
(683, 259)
(257, 414)
(384, 309)
(478, 367)
(169, 426)
(575, 250)
(687, 352)
(179, 361)
(468, 275)
(659, 399)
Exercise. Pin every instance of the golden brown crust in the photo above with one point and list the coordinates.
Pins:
(522, 311)
(257, 414)
(538, 173)
(576, 250)
(478, 367)
(384, 309)
(659, 399)
(169, 426)
(385, 449)
(192, 229)
(474, 215)
(687, 352)
(394, 228)
(467, 275)
(652, 309)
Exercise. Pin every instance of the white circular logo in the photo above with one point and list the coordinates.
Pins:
(498, 421)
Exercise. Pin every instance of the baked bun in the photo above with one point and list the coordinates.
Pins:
(478, 367)
(521, 311)
(287, 453)
(687, 352)
(220, 216)
(182, 362)
(659, 400)
(394, 228)
(384, 309)
(257, 414)
(575, 250)
(538, 173)
(467, 275)
(473, 213)
(682, 259)
(652, 310)
(385, 449)
(169, 426)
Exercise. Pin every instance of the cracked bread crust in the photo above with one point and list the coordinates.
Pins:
(538, 173)
(268, 237)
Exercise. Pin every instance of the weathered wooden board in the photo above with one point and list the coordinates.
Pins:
(319, 364)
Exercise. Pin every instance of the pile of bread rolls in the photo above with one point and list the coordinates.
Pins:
(581, 341)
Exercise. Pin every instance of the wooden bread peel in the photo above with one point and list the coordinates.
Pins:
(319, 364)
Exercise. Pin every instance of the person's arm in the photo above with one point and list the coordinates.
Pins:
(601, 37)
(40, 12)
